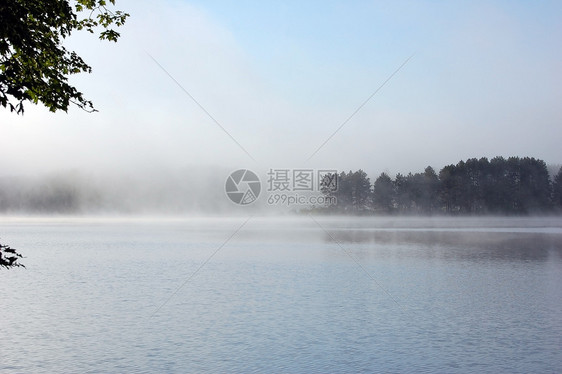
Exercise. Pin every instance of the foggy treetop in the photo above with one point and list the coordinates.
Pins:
(475, 186)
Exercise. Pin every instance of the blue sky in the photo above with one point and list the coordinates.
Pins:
(485, 79)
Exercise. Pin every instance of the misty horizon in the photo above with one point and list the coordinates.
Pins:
(188, 190)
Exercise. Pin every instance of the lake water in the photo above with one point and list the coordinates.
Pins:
(283, 295)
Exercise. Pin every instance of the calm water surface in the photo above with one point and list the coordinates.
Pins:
(283, 295)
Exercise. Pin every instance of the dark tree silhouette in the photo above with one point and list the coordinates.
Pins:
(557, 191)
(383, 194)
(448, 188)
(403, 193)
(343, 193)
(9, 257)
(34, 64)
(360, 191)
(475, 186)
(353, 194)
(430, 190)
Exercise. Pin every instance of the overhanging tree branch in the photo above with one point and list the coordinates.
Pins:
(9, 257)
(34, 64)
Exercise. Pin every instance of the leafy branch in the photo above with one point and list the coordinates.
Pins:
(9, 257)
(34, 64)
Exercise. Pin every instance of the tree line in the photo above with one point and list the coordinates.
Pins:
(516, 185)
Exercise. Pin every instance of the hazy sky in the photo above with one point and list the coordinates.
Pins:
(485, 79)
